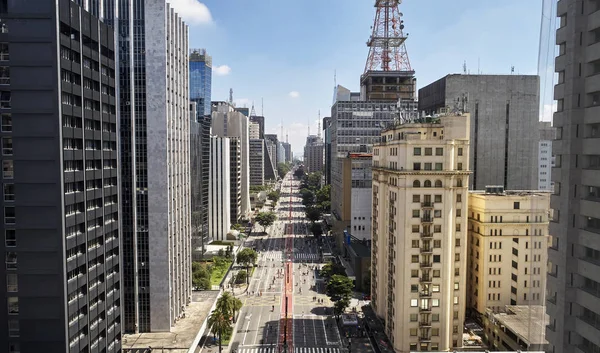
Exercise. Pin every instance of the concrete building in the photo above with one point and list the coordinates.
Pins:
(155, 143)
(327, 149)
(516, 327)
(504, 117)
(314, 154)
(356, 197)
(219, 214)
(270, 172)
(253, 131)
(235, 185)
(260, 120)
(280, 153)
(506, 227)
(226, 122)
(199, 175)
(201, 80)
(60, 180)
(574, 275)
(420, 178)
(257, 162)
(287, 150)
(545, 158)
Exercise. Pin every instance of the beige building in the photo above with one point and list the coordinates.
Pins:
(508, 245)
(253, 130)
(420, 179)
(516, 328)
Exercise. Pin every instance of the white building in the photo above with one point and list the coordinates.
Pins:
(314, 154)
(219, 198)
(418, 262)
(227, 122)
(254, 130)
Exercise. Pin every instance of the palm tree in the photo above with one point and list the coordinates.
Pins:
(228, 305)
(219, 322)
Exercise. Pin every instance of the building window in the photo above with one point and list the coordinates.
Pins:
(11, 260)
(414, 273)
(438, 183)
(4, 53)
(437, 244)
(7, 169)
(416, 184)
(415, 244)
(11, 282)
(458, 197)
(516, 205)
(562, 48)
(459, 166)
(14, 347)
(458, 227)
(439, 166)
(416, 166)
(13, 328)
(416, 213)
(13, 305)
(6, 122)
(435, 317)
(5, 99)
(439, 151)
(413, 331)
(7, 146)
(437, 198)
(414, 258)
(460, 151)
(435, 303)
(414, 303)
(427, 184)
(417, 151)
(4, 75)
(427, 166)
(457, 257)
(436, 259)
(437, 213)
(458, 212)
(456, 242)
(9, 215)
(414, 288)
(9, 192)
(413, 317)
(456, 285)
(435, 288)
(10, 238)
(428, 151)
(415, 229)
(416, 198)
(455, 300)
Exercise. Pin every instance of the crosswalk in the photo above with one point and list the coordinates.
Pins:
(296, 350)
(273, 255)
(306, 256)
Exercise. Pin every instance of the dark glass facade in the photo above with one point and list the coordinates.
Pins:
(200, 170)
(61, 282)
(200, 80)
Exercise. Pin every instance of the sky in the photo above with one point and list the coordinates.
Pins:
(287, 52)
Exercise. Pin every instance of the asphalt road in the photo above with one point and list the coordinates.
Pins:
(285, 306)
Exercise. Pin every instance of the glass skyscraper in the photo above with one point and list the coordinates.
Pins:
(200, 80)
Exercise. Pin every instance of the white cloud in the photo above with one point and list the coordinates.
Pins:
(222, 70)
(547, 111)
(294, 94)
(192, 11)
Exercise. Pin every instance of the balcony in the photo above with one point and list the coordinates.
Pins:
(427, 204)
(425, 279)
(424, 338)
(424, 324)
(425, 294)
(426, 235)
(426, 249)
(426, 264)
(424, 309)
(427, 219)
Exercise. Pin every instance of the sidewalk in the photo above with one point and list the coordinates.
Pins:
(376, 331)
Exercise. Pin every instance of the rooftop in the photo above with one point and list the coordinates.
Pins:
(182, 335)
(526, 321)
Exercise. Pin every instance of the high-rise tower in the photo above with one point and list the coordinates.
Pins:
(388, 74)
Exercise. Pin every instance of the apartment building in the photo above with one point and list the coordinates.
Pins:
(506, 227)
(545, 158)
(573, 293)
(314, 157)
(420, 180)
(219, 199)
(61, 283)
(257, 162)
(235, 178)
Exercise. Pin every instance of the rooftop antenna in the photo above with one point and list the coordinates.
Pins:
(465, 67)
(281, 129)
(319, 126)
(287, 139)
(231, 96)
(334, 78)
(252, 111)
(308, 126)
(512, 69)
(262, 107)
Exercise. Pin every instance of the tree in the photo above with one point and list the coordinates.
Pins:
(241, 276)
(247, 257)
(219, 323)
(316, 229)
(313, 214)
(330, 269)
(237, 227)
(265, 219)
(274, 196)
(299, 173)
(283, 169)
(314, 180)
(339, 290)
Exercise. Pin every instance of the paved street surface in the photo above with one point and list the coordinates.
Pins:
(284, 308)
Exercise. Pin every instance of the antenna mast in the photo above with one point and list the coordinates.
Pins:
(319, 126)
(252, 111)
(262, 107)
(231, 96)
(387, 51)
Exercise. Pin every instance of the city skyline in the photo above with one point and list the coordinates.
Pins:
(224, 29)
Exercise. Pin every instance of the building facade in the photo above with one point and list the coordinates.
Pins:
(287, 150)
(219, 214)
(574, 275)
(253, 130)
(506, 227)
(545, 158)
(358, 181)
(314, 154)
(504, 115)
(418, 261)
(257, 162)
(61, 280)
(227, 122)
(201, 80)
(235, 172)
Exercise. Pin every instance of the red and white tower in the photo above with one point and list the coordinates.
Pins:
(387, 51)
(388, 75)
